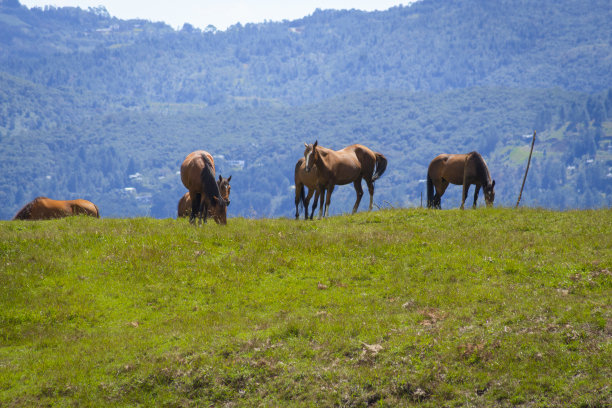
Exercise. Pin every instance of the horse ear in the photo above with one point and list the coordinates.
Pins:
(305, 144)
(229, 178)
(315, 143)
(220, 178)
(493, 184)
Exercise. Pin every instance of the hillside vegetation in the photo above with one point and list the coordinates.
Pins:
(488, 307)
(105, 109)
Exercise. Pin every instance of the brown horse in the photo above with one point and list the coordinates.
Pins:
(460, 169)
(198, 176)
(309, 179)
(43, 208)
(349, 165)
(184, 204)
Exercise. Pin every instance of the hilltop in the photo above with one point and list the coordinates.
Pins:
(488, 308)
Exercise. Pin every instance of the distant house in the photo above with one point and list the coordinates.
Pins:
(114, 27)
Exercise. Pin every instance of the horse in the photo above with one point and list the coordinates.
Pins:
(184, 204)
(460, 169)
(349, 165)
(43, 208)
(308, 179)
(198, 176)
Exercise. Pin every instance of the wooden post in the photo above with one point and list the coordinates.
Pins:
(527, 169)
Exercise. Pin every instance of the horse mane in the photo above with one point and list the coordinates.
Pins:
(209, 184)
(481, 168)
(26, 210)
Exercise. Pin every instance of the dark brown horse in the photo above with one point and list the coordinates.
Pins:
(198, 176)
(43, 208)
(184, 204)
(339, 167)
(460, 169)
(305, 179)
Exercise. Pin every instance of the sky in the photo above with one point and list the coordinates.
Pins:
(219, 13)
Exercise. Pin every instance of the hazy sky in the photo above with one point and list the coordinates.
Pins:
(220, 13)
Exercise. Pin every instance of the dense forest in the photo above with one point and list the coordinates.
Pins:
(106, 109)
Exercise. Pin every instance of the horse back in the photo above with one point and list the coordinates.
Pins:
(47, 208)
(192, 167)
(449, 167)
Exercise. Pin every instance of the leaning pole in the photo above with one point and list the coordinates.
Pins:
(526, 170)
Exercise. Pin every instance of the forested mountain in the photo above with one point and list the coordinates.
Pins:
(106, 109)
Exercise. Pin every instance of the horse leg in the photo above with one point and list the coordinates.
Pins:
(330, 189)
(440, 189)
(307, 202)
(466, 189)
(359, 191)
(371, 191)
(314, 203)
(476, 195)
(298, 195)
(195, 206)
(321, 198)
(203, 211)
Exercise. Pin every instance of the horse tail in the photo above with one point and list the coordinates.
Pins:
(209, 184)
(381, 166)
(97, 211)
(430, 191)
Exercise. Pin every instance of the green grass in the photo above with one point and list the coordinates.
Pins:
(480, 307)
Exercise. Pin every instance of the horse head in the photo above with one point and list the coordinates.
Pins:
(310, 155)
(219, 210)
(224, 188)
(489, 193)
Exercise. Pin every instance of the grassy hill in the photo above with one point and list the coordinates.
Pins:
(483, 307)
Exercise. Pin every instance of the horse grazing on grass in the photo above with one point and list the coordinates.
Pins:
(460, 169)
(305, 179)
(184, 204)
(198, 176)
(43, 208)
(339, 167)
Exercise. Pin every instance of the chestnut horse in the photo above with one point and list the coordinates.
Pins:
(308, 179)
(460, 169)
(184, 204)
(198, 176)
(339, 167)
(43, 208)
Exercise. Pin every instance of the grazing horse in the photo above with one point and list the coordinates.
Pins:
(184, 204)
(460, 169)
(43, 208)
(339, 167)
(198, 176)
(308, 179)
